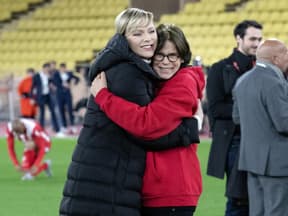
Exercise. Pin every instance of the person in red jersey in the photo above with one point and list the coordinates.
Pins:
(36, 144)
(172, 182)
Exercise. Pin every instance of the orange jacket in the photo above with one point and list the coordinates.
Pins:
(27, 107)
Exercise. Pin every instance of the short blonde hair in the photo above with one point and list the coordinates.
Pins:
(18, 126)
(129, 19)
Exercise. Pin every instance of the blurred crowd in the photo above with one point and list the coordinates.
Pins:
(57, 90)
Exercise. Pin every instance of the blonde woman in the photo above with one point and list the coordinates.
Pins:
(105, 175)
(172, 182)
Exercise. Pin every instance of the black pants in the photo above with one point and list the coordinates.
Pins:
(168, 211)
(236, 183)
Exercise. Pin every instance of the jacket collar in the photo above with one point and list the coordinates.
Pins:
(241, 62)
(277, 70)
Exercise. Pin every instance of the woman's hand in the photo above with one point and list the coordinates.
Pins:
(98, 83)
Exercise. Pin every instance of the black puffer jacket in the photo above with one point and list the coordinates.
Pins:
(105, 175)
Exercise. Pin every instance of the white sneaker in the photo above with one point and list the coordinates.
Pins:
(27, 177)
(73, 130)
(63, 130)
(60, 135)
(48, 171)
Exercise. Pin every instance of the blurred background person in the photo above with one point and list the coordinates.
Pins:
(53, 93)
(36, 144)
(62, 80)
(53, 67)
(28, 106)
(41, 88)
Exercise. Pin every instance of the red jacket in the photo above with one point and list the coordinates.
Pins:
(34, 133)
(27, 108)
(172, 177)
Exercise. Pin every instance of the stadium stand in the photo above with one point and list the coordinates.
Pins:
(8, 8)
(209, 23)
(73, 31)
(68, 31)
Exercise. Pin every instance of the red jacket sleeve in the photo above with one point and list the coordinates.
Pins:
(176, 100)
(11, 148)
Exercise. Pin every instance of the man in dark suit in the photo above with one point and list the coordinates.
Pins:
(223, 157)
(62, 80)
(261, 108)
(41, 87)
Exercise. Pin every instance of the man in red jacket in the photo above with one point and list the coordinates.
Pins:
(36, 144)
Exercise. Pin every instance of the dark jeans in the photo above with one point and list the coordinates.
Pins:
(234, 206)
(64, 100)
(47, 100)
(168, 211)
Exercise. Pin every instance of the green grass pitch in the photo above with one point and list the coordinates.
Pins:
(41, 197)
